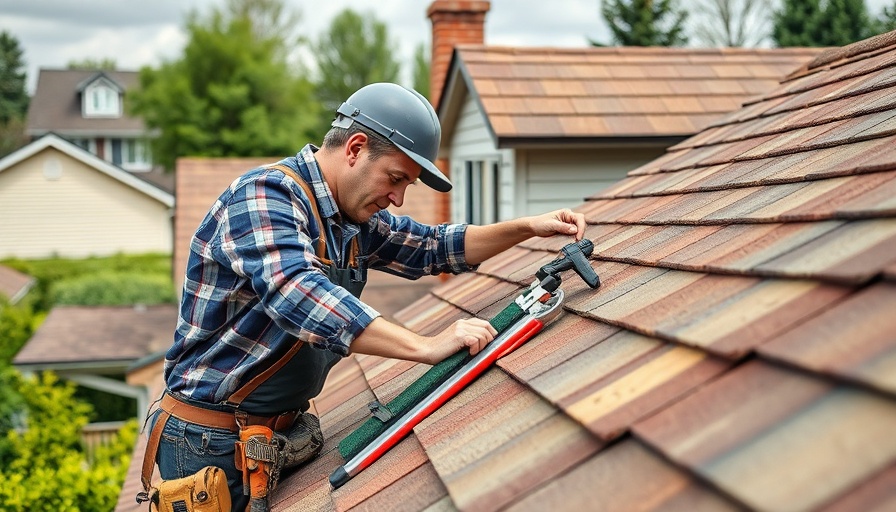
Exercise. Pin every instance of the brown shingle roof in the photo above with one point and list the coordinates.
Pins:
(740, 352)
(56, 105)
(595, 93)
(14, 284)
(98, 334)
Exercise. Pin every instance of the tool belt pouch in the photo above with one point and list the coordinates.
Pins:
(204, 491)
(257, 457)
(302, 442)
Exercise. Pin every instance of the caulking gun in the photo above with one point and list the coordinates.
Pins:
(523, 318)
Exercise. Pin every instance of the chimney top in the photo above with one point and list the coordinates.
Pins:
(454, 22)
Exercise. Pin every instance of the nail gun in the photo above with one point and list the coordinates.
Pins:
(522, 319)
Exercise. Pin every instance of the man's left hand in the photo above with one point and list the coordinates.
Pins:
(559, 222)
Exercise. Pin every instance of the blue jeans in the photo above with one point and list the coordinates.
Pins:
(185, 448)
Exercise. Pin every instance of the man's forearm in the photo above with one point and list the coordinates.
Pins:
(483, 242)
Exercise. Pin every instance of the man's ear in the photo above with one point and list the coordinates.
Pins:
(353, 147)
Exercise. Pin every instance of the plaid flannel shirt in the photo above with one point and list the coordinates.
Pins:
(254, 285)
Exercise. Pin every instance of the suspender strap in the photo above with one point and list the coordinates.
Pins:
(322, 241)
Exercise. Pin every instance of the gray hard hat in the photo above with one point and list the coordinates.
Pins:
(405, 118)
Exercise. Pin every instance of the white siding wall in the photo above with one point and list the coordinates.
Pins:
(83, 212)
(471, 141)
(551, 179)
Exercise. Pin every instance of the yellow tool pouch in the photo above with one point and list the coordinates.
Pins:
(204, 491)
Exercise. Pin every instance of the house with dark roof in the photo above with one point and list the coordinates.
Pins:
(87, 108)
(739, 353)
(97, 345)
(58, 199)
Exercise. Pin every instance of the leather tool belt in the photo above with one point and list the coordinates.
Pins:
(224, 419)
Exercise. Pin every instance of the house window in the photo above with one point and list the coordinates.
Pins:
(131, 154)
(482, 194)
(101, 100)
(85, 144)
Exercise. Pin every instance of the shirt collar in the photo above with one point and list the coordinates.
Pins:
(322, 192)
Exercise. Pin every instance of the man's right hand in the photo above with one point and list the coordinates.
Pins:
(383, 338)
(470, 333)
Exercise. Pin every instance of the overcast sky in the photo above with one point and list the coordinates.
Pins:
(54, 32)
(136, 33)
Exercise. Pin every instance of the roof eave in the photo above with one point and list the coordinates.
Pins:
(565, 141)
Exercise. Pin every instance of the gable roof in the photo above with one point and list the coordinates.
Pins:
(127, 178)
(571, 96)
(98, 336)
(56, 104)
(14, 284)
(739, 353)
(98, 76)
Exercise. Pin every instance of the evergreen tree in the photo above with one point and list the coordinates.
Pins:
(355, 51)
(233, 91)
(13, 97)
(644, 22)
(796, 23)
(844, 22)
(813, 23)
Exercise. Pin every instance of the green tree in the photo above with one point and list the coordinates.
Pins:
(828, 23)
(13, 96)
(89, 64)
(845, 21)
(43, 465)
(233, 92)
(355, 51)
(644, 22)
(421, 71)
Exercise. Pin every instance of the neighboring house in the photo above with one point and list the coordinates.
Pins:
(740, 353)
(528, 130)
(13, 284)
(92, 345)
(57, 199)
(86, 107)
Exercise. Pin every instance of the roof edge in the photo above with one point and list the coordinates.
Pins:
(87, 158)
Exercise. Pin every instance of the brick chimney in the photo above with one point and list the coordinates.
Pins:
(453, 22)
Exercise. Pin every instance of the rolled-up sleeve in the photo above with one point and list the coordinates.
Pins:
(266, 237)
(411, 249)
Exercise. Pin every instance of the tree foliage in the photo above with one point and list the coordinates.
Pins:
(232, 93)
(644, 22)
(355, 51)
(42, 462)
(421, 71)
(816, 23)
(90, 64)
(13, 96)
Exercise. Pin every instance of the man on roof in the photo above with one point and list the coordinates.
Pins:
(274, 275)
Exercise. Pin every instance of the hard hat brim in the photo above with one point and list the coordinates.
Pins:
(430, 175)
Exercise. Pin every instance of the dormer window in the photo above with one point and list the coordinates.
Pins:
(101, 98)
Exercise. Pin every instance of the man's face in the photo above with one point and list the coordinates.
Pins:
(372, 185)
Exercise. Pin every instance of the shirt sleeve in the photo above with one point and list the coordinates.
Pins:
(410, 249)
(267, 237)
